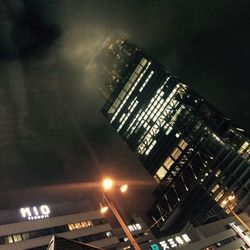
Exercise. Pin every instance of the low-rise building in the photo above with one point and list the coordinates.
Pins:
(33, 227)
(226, 234)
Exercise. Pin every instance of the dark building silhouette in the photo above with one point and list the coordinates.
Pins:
(191, 149)
(60, 243)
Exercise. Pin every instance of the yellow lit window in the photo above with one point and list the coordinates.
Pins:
(157, 179)
(176, 153)
(71, 227)
(10, 239)
(215, 188)
(219, 195)
(79, 225)
(17, 237)
(218, 172)
(168, 162)
(161, 172)
(183, 144)
(243, 147)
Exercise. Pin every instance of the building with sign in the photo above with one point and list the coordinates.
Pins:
(139, 230)
(226, 234)
(33, 227)
(193, 152)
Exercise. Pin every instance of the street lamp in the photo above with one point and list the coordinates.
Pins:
(229, 203)
(107, 185)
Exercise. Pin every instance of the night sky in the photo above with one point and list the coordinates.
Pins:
(48, 44)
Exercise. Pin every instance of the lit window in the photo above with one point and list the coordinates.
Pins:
(71, 227)
(169, 128)
(108, 234)
(161, 172)
(125, 248)
(143, 62)
(245, 150)
(217, 138)
(219, 195)
(10, 239)
(80, 225)
(218, 172)
(168, 162)
(116, 104)
(176, 153)
(215, 188)
(150, 147)
(157, 179)
(183, 144)
(17, 237)
(243, 147)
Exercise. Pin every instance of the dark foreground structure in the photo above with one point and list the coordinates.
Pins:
(60, 243)
(198, 157)
(226, 234)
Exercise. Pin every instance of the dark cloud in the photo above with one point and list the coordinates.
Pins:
(27, 30)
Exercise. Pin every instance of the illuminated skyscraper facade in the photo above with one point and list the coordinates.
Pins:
(192, 150)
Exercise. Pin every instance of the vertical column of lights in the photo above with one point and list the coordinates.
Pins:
(125, 116)
(133, 104)
(141, 118)
(127, 86)
(130, 86)
(157, 111)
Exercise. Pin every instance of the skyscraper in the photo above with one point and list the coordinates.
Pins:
(192, 150)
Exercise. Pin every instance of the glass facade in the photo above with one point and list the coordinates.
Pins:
(192, 150)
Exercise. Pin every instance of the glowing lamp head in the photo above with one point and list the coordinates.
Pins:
(104, 209)
(107, 184)
(124, 188)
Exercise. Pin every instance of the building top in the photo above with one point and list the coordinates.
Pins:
(190, 148)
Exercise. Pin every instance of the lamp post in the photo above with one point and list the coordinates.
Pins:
(230, 200)
(107, 185)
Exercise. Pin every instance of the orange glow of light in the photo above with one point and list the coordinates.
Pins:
(104, 209)
(224, 202)
(107, 184)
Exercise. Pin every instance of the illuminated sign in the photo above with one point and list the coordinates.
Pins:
(34, 213)
(170, 243)
(239, 231)
(134, 227)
